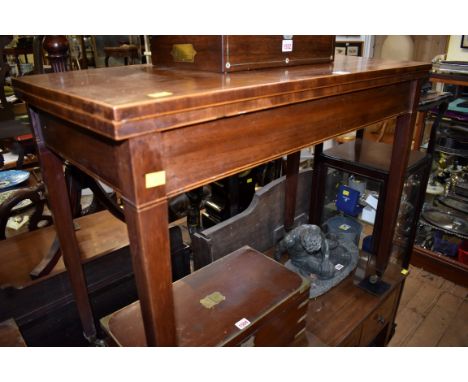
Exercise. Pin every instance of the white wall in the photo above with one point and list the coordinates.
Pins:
(454, 52)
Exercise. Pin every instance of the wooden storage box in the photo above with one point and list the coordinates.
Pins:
(235, 53)
(245, 298)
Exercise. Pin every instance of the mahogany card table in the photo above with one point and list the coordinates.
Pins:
(152, 133)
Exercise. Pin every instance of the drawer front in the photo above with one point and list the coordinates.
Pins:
(378, 320)
(353, 338)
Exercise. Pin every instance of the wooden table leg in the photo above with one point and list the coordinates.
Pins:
(149, 244)
(396, 178)
(318, 187)
(146, 213)
(57, 193)
(292, 171)
(419, 130)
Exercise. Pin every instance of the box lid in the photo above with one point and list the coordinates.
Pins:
(244, 285)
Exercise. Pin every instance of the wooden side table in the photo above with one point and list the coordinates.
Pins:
(153, 134)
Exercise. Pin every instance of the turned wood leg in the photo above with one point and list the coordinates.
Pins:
(57, 193)
(149, 244)
(292, 171)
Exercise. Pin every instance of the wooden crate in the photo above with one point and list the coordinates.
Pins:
(236, 53)
(245, 298)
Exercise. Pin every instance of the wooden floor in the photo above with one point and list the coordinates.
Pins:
(433, 312)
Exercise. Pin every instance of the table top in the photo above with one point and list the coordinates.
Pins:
(122, 102)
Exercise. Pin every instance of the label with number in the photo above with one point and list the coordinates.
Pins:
(287, 46)
(241, 324)
(339, 267)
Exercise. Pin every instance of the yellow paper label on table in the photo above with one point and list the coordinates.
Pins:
(155, 179)
(159, 94)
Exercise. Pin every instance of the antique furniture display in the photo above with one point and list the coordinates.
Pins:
(211, 305)
(364, 319)
(442, 232)
(152, 140)
(357, 174)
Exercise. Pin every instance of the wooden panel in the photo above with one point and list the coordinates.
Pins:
(208, 52)
(334, 317)
(369, 154)
(378, 320)
(132, 100)
(90, 152)
(457, 331)
(212, 53)
(252, 52)
(276, 132)
(436, 322)
(440, 265)
(99, 234)
(225, 237)
(353, 339)
(255, 288)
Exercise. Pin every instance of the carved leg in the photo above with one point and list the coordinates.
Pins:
(52, 171)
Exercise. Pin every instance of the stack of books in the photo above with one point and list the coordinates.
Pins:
(451, 67)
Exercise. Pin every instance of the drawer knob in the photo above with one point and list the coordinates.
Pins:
(381, 319)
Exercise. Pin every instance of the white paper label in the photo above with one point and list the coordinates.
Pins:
(287, 46)
(339, 267)
(241, 324)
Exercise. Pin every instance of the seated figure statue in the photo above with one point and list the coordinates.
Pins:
(308, 250)
(325, 260)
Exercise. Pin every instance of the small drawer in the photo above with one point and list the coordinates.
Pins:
(378, 320)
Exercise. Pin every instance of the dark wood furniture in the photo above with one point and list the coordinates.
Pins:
(233, 53)
(349, 316)
(147, 132)
(244, 299)
(372, 160)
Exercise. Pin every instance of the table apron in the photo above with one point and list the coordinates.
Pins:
(199, 154)
(202, 153)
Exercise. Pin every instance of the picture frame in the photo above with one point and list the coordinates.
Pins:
(353, 51)
(464, 42)
(349, 48)
(340, 50)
